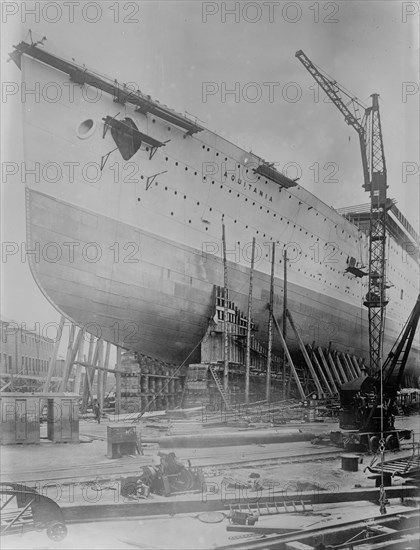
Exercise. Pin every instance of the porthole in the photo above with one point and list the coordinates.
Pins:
(86, 128)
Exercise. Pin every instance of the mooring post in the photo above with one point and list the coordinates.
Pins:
(270, 326)
(248, 332)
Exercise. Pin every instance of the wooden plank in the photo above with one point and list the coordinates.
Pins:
(100, 383)
(248, 332)
(327, 369)
(305, 354)
(90, 375)
(340, 367)
(70, 358)
(296, 545)
(349, 365)
(289, 358)
(106, 363)
(78, 377)
(334, 369)
(225, 314)
(118, 383)
(356, 365)
(53, 358)
(270, 327)
(320, 371)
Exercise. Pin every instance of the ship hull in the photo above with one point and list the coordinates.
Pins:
(130, 248)
(149, 306)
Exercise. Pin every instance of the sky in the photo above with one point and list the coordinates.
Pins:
(175, 51)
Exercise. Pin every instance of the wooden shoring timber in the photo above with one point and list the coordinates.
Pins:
(106, 363)
(270, 327)
(64, 375)
(100, 376)
(361, 362)
(90, 375)
(327, 369)
(334, 368)
(78, 377)
(305, 354)
(315, 361)
(356, 365)
(225, 313)
(85, 389)
(118, 382)
(343, 373)
(72, 350)
(289, 358)
(346, 365)
(53, 358)
(248, 332)
(349, 365)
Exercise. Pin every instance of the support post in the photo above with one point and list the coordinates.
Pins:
(284, 320)
(248, 332)
(71, 356)
(329, 372)
(305, 355)
(314, 359)
(106, 364)
(87, 390)
(53, 358)
(78, 378)
(333, 368)
(289, 358)
(118, 382)
(100, 379)
(349, 364)
(270, 327)
(225, 313)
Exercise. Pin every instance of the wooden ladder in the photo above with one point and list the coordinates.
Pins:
(219, 386)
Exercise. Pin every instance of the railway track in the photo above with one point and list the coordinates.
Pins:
(109, 470)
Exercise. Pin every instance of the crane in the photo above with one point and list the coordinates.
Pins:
(368, 403)
(367, 123)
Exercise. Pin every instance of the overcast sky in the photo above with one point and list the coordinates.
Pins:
(172, 50)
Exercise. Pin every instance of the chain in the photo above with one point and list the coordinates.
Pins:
(382, 494)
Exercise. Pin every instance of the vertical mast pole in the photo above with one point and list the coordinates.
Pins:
(284, 318)
(248, 332)
(225, 313)
(270, 327)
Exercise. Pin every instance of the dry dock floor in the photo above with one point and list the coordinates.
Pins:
(71, 475)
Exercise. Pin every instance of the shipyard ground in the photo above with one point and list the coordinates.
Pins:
(84, 482)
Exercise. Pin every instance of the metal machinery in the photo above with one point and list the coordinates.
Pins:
(23, 509)
(367, 123)
(368, 402)
(171, 476)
